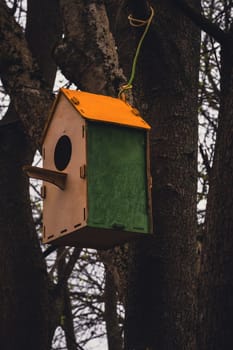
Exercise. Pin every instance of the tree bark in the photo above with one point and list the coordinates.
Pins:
(115, 341)
(216, 284)
(21, 77)
(28, 309)
(66, 318)
(161, 292)
(43, 31)
(24, 289)
(87, 55)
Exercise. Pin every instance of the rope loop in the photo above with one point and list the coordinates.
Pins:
(136, 23)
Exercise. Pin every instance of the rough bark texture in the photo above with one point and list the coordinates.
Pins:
(161, 292)
(21, 77)
(28, 308)
(24, 287)
(87, 55)
(216, 283)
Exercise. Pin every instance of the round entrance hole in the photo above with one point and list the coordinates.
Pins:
(62, 152)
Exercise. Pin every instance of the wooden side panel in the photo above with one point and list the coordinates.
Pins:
(117, 178)
(64, 150)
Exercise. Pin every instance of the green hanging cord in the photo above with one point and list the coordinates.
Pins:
(136, 23)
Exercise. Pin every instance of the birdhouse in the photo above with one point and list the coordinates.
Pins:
(96, 177)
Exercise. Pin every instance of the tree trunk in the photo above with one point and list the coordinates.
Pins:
(161, 292)
(66, 317)
(112, 323)
(28, 311)
(24, 289)
(216, 283)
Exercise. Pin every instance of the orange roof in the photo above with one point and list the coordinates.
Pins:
(99, 108)
(104, 108)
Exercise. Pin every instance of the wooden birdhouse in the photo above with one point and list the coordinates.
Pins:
(96, 187)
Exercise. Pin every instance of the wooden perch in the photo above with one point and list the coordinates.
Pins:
(55, 177)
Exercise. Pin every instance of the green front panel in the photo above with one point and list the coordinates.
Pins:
(117, 179)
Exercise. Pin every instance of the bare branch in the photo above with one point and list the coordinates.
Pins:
(69, 267)
(14, 7)
(201, 21)
(205, 159)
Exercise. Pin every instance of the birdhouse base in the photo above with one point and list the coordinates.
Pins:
(96, 238)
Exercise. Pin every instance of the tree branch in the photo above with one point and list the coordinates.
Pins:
(202, 22)
(68, 323)
(89, 42)
(67, 269)
(113, 329)
(205, 160)
(21, 77)
(43, 30)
